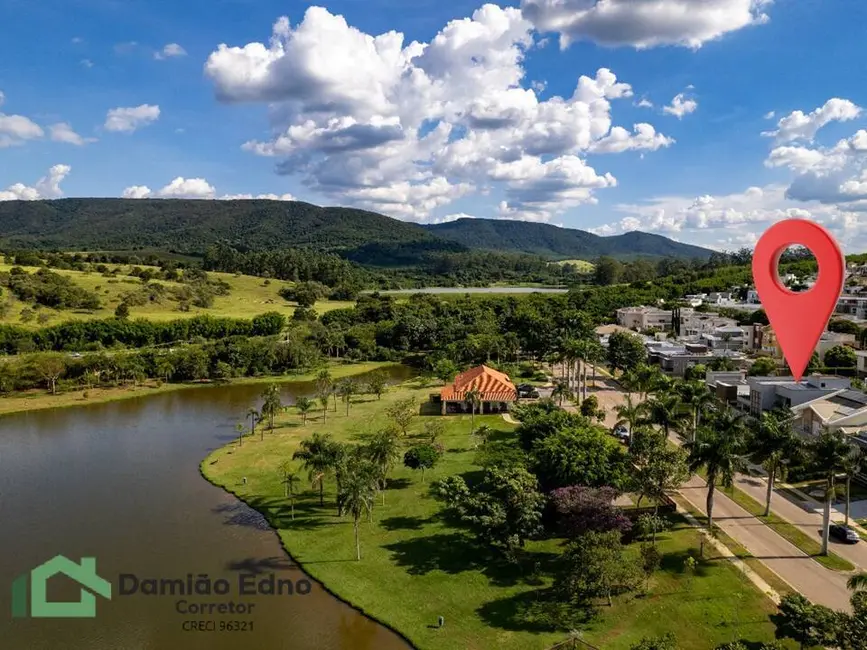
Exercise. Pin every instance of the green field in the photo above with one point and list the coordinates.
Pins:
(415, 567)
(248, 297)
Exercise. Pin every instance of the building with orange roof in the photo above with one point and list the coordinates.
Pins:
(495, 390)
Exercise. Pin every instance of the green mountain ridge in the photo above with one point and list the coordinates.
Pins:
(560, 243)
(189, 227)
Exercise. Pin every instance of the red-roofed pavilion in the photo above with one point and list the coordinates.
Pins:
(494, 387)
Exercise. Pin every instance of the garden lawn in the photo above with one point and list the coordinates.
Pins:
(415, 567)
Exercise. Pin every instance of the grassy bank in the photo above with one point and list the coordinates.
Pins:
(40, 399)
(415, 567)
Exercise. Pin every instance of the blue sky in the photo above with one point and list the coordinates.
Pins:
(478, 120)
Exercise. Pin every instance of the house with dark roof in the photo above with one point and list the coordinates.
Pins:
(494, 389)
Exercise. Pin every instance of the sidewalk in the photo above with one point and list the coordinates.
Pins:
(807, 576)
(807, 517)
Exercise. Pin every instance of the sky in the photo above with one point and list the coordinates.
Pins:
(701, 120)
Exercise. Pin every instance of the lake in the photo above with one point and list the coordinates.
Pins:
(120, 482)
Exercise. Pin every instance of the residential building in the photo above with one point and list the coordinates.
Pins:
(719, 297)
(768, 343)
(767, 393)
(674, 359)
(731, 337)
(830, 340)
(727, 385)
(695, 323)
(753, 297)
(642, 318)
(495, 391)
(853, 306)
(861, 356)
(842, 410)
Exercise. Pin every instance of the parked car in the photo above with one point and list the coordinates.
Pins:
(621, 432)
(844, 534)
(527, 390)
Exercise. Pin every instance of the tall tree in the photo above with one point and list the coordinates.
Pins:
(851, 468)
(774, 445)
(828, 456)
(289, 478)
(631, 414)
(324, 399)
(625, 351)
(719, 449)
(473, 398)
(402, 413)
(254, 416)
(271, 405)
(423, 457)
(668, 411)
(376, 383)
(697, 396)
(596, 567)
(304, 406)
(346, 389)
(660, 469)
(356, 492)
(383, 450)
(50, 366)
(316, 454)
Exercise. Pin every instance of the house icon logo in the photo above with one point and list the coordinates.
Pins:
(37, 580)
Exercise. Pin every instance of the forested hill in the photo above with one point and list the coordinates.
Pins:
(563, 243)
(191, 226)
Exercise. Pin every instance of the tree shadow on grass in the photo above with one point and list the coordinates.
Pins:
(398, 483)
(455, 553)
(675, 563)
(403, 523)
(278, 513)
(533, 611)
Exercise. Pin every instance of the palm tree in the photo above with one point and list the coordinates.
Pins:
(631, 414)
(473, 398)
(240, 429)
(697, 396)
(594, 354)
(346, 389)
(383, 450)
(560, 391)
(851, 468)
(304, 406)
(719, 450)
(774, 445)
(316, 454)
(829, 453)
(648, 379)
(323, 401)
(668, 411)
(254, 416)
(289, 478)
(271, 404)
(629, 381)
(357, 490)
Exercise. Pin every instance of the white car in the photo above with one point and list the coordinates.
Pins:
(621, 432)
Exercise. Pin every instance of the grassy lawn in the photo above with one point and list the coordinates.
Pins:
(249, 296)
(415, 567)
(40, 399)
(774, 581)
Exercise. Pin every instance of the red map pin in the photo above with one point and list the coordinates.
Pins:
(798, 319)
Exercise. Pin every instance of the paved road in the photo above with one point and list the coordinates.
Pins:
(808, 521)
(807, 576)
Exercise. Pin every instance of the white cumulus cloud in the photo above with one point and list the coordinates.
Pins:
(800, 126)
(407, 128)
(63, 132)
(644, 23)
(680, 106)
(129, 119)
(47, 187)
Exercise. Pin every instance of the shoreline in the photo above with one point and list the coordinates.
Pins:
(305, 570)
(40, 400)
